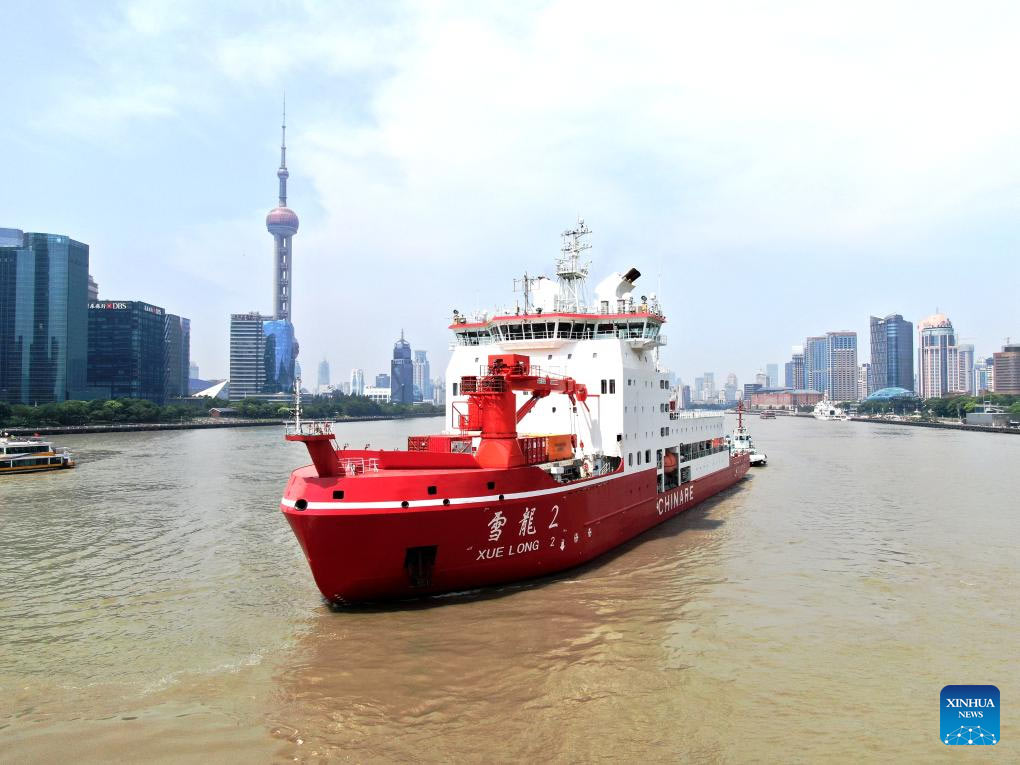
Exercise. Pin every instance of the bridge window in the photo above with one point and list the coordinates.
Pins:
(612, 385)
(605, 387)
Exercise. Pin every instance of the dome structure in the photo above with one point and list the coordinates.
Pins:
(889, 394)
(936, 320)
(282, 221)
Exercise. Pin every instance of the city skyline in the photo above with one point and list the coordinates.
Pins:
(179, 93)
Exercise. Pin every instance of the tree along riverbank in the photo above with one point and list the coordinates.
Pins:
(204, 424)
(73, 416)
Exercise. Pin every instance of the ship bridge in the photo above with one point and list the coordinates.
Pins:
(551, 312)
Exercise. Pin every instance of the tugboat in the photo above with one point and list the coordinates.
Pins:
(741, 443)
(606, 454)
(31, 455)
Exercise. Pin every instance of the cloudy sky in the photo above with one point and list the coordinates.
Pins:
(775, 169)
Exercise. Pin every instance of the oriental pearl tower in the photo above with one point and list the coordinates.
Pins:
(282, 223)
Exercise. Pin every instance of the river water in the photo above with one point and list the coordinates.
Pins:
(155, 605)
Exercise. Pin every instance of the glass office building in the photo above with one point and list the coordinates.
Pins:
(281, 351)
(402, 373)
(127, 350)
(178, 355)
(43, 317)
(892, 352)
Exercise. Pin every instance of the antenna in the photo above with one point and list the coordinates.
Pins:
(524, 285)
(570, 270)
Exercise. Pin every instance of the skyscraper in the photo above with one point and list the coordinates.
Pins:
(402, 373)
(357, 382)
(323, 381)
(178, 355)
(797, 367)
(127, 358)
(422, 382)
(842, 374)
(772, 370)
(965, 359)
(892, 353)
(984, 375)
(247, 355)
(1007, 369)
(938, 363)
(816, 364)
(864, 381)
(43, 317)
(382, 380)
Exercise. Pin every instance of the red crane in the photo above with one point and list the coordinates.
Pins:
(492, 405)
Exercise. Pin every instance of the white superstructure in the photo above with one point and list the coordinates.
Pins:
(610, 345)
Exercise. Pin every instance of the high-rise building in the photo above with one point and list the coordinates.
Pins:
(772, 371)
(708, 387)
(984, 375)
(685, 396)
(731, 388)
(749, 390)
(1007, 369)
(797, 367)
(193, 372)
(761, 380)
(357, 382)
(842, 375)
(422, 381)
(864, 381)
(177, 361)
(816, 363)
(698, 392)
(127, 350)
(93, 290)
(402, 373)
(247, 355)
(43, 317)
(965, 359)
(323, 377)
(382, 380)
(892, 353)
(938, 364)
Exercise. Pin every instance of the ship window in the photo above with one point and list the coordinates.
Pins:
(639, 458)
(432, 490)
(490, 485)
(570, 355)
(455, 389)
(338, 494)
(605, 387)
(612, 386)
(648, 455)
(554, 410)
(549, 357)
(404, 503)
(619, 437)
(630, 458)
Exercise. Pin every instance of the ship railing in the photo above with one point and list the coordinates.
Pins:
(310, 428)
(358, 465)
(618, 334)
(693, 414)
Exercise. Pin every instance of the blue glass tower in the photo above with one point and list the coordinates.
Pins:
(43, 318)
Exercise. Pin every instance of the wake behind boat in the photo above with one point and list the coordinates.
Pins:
(607, 453)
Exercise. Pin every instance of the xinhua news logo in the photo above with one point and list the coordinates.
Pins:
(969, 715)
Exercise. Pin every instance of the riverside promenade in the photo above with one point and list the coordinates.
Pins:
(204, 423)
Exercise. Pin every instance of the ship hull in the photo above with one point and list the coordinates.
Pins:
(372, 553)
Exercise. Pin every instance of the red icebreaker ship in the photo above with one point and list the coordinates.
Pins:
(606, 455)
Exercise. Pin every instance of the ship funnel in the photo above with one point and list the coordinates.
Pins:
(617, 286)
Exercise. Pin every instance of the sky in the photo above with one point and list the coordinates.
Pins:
(775, 170)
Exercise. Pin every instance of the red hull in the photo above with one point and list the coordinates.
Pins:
(369, 551)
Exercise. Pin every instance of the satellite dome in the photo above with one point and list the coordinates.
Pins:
(282, 221)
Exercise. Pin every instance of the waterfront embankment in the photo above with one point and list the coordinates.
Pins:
(942, 425)
(207, 423)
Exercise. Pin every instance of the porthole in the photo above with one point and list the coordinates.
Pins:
(301, 504)
(404, 503)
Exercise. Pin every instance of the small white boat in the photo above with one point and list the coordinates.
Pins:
(826, 410)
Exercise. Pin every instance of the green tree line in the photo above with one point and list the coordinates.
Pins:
(950, 406)
(132, 410)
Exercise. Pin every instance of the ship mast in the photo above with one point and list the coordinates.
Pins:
(571, 271)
